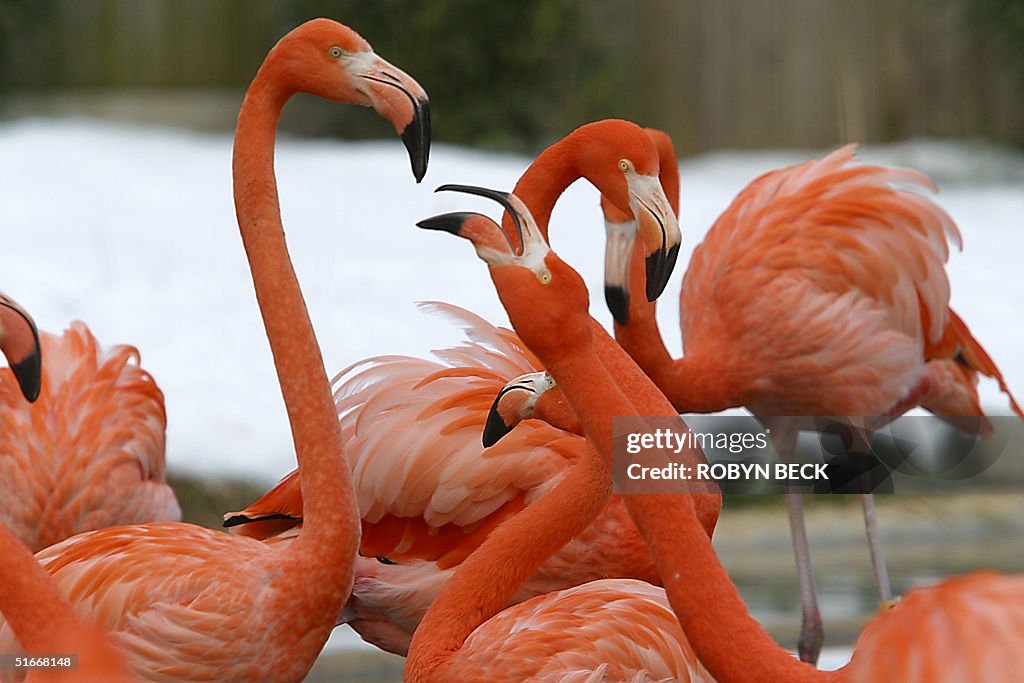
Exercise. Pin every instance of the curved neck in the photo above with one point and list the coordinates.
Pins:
(331, 533)
(540, 186)
(487, 579)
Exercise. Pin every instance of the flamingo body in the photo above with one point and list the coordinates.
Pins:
(89, 453)
(966, 628)
(627, 626)
(821, 290)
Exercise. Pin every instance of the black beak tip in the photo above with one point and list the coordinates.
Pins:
(495, 429)
(659, 266)
(617, 298)
(28, 372)
(447, 222)
(416, 138)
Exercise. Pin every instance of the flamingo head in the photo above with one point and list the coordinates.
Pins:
(19, 342)
(546, 300)
(514, 403)
(621, 230)
(330, 60)
(622, 161)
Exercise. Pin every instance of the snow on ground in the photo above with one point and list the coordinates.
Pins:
(132, 230)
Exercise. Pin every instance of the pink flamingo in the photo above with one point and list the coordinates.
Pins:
(187, 603)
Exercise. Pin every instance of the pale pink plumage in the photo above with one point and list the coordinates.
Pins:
(89, 453)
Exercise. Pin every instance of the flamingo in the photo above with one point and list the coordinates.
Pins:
(820, 291)
(463, 635)
(966, 628)
(187, 603)
(89, 453)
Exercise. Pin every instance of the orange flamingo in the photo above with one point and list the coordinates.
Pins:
(19, 342)
(967, 628)
(187, 603)
(89, 453)
(458, 638)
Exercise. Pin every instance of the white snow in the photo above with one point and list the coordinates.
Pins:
(132, 230)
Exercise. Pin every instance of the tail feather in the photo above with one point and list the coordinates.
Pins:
(974, 357)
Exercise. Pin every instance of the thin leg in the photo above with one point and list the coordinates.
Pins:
(812, 630)
(784, 433)
(875, 545)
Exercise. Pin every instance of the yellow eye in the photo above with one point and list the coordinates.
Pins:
(335, 51)
(624, 165)
(544, 277)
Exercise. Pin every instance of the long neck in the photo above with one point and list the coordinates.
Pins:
(487, 579)
(647, 399)
(695, 383)
(727, 640)
(322, 556)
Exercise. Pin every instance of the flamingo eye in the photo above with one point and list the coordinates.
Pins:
(625, 166)
(335, 52)
(544, 277)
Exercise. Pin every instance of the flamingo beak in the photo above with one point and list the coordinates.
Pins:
(658, 229)
(447, 222)
(397, 97)
(19, 342)
(619, 240)
(507, 411)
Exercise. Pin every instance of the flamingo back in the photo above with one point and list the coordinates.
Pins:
(825, 280)
(89, 453)
(968, 628)
(164, 594)
(627, 626)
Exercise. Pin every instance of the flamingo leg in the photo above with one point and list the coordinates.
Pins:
(812, 630)
(867, 501)
(784, 432)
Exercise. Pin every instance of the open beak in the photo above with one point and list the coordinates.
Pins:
(397, 97)
(619, 240)
(19, 342)
(657, 228)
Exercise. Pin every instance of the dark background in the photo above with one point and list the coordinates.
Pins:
(517, 75)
